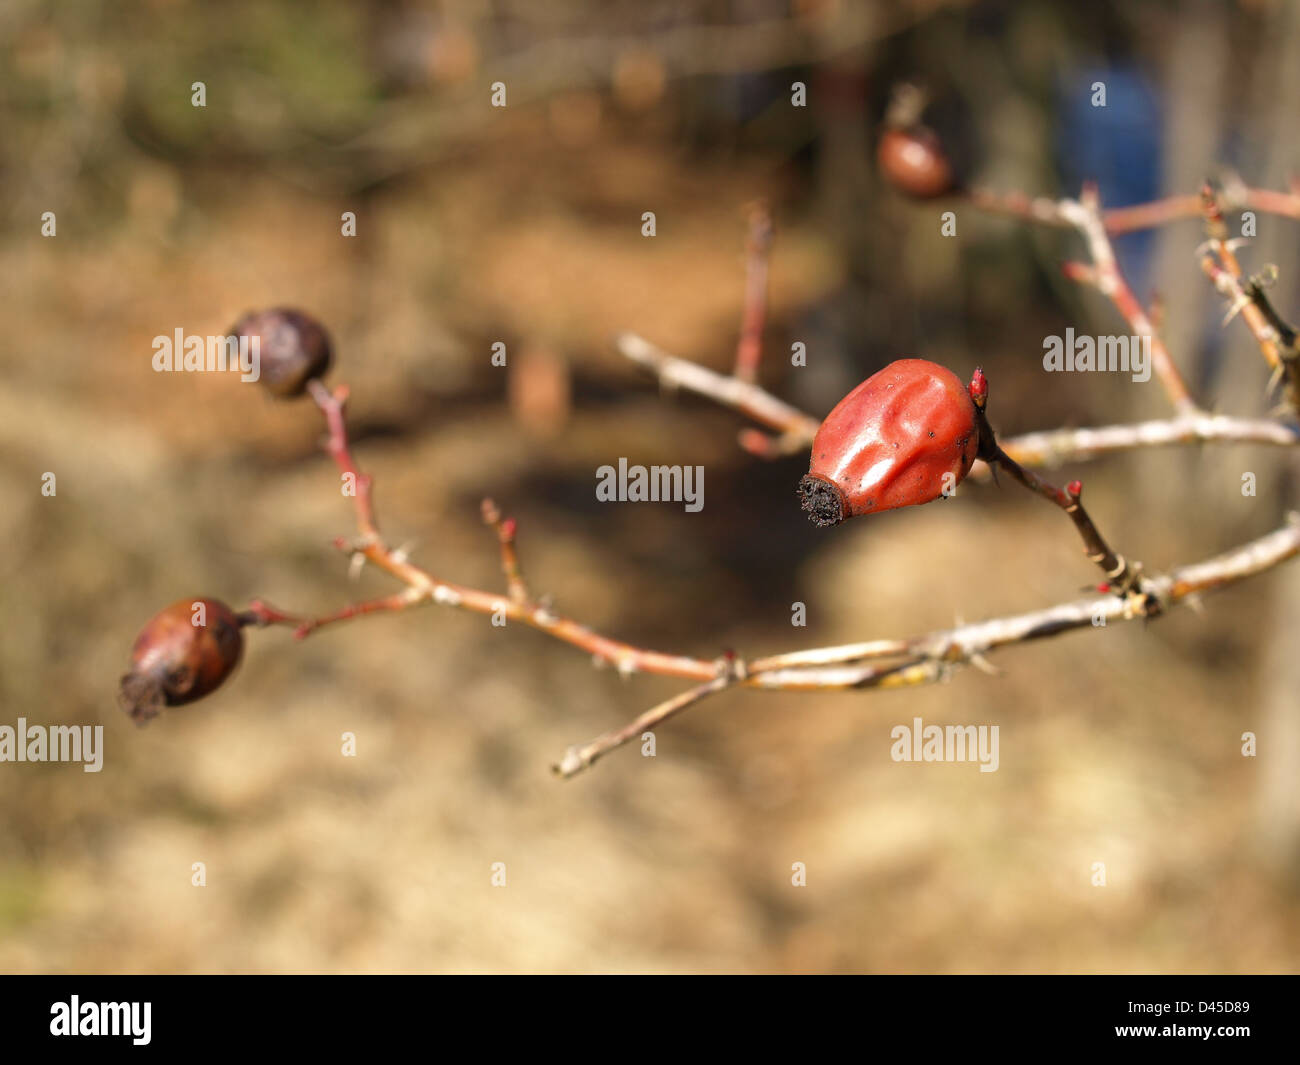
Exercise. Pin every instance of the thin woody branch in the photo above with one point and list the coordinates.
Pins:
(332, 405)
(578, 758)
(964, 642)
(1220, 264)
(933, 656)
(1043, 448)
(505, 530)
(922, 663)
(1121, 576)
(1040, 209)
(1043, 210)
(1237, 196)
(1286, 335)
(827, 656)
(1085, 215)
(1052, 447)
(744, 396)
(880, 663)
(1276, 339)
(1246, 296)
(749, 349)
(960, 645)
(1149, 215)
(425, 588)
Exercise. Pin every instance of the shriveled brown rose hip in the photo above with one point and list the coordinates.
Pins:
(915, 163)
(294, 348)
(910, 154)
(184, 653)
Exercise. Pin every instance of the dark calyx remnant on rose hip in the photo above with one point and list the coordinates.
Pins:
(822, 501)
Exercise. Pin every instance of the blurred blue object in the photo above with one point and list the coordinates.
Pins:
(1117, 145)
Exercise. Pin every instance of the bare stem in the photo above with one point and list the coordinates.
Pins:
(1150, 215)
(1117, 220)
(743, 396)
(1277, 340)
(1121, 576)
(1043, 448)
(749, 350)
(880, 663)
(423, 587)
(332, 405)
(505, 530)
(577, 758)
(1052, 447)
(1085, 215)
(933, 656)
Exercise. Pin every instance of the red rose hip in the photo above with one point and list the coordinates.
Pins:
(898, 439)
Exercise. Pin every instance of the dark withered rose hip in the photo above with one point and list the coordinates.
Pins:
(914, 162)
(901, 438)
(174, 661)
(294, 348)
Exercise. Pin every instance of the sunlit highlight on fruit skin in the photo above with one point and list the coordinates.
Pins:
(901, 438)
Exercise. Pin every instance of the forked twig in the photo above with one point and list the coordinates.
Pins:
(886, 663)
(932, 657)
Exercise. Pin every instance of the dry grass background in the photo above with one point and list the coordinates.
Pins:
(1119, 746)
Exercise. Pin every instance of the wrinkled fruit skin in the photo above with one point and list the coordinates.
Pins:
(889, 442)
(294, 348)
(175, 661)
(915, 163)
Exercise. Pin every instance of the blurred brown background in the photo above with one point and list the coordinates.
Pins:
(522, 225)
